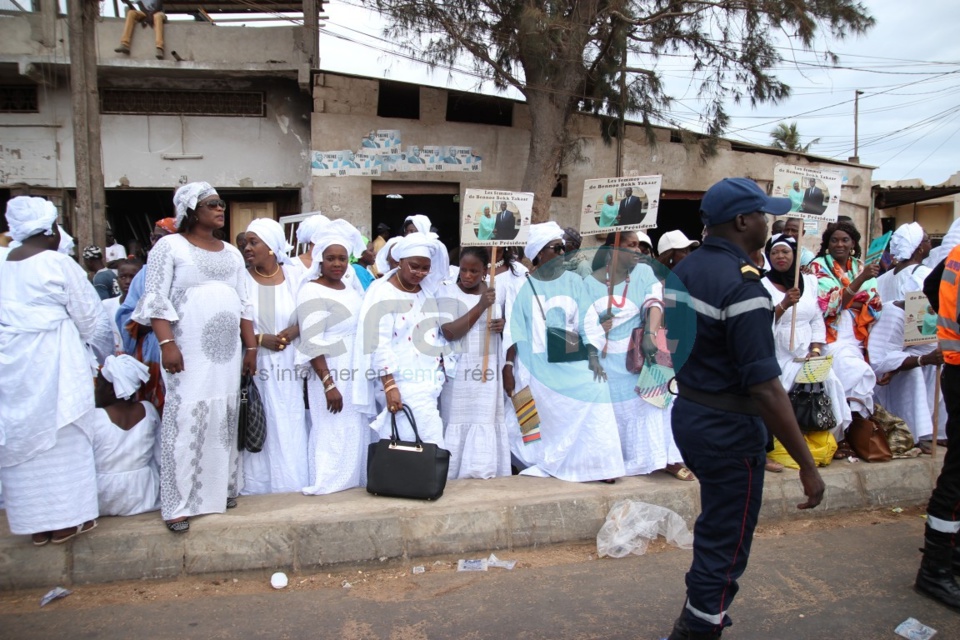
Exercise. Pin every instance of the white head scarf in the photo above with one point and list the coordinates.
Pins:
(126, 373)
(28, 216)
(425, 245)
(420, 221)
(271, 233)
(949, 241)
(539, 236)
(187, 197)
(383, 265)
(67, 243)
(308, 228)
(339, 232)
(905, 240)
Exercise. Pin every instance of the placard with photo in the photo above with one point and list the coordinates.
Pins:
(813, 191)
(619, 204)
(919, 320)
(492, 218)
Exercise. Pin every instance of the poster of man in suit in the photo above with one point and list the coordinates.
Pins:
(820, 187)
(619, 204)
(511, 212)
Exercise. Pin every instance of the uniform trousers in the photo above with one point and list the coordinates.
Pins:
(731, 492)
(943, 512)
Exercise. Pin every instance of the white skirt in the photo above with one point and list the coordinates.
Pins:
(56, 489)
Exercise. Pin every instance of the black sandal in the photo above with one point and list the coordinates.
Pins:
(231, 503)
(180, 526)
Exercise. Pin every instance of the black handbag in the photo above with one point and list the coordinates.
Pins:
(813, 407)
(563, 345)
(252, 423)
(406, 469)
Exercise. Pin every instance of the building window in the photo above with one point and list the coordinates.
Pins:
(165, 102)
(18, 98)
(560, 190)
(398, 100)
(479, 109)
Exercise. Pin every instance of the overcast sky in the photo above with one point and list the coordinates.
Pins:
(908, 66)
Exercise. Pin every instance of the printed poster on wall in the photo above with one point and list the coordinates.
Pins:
(919, 320)
(334, 164)
(813, 191)
(491, 218)
(619, 204)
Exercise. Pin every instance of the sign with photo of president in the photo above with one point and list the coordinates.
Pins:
(619, 204)
(492, 218)
(813, 191)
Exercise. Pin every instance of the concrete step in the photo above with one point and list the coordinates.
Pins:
(293, 532)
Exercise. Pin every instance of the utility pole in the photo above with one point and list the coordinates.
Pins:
(855, 158)
(621, 121)
(85, 102)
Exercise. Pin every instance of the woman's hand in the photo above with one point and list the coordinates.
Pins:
(599, 375)
(509, 382)
(394, 402)
(289, 334)
(934, 357)
(496, 325)
(488, 298)
(273, 342)
(869, 271)
(171, 358)
(790, 298)
(648, 345)
(885, 378)
(335, 400)
(249, 362)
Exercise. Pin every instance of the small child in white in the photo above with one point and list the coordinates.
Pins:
(124, 436)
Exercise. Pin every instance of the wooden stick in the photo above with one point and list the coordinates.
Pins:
(936, 415)
(612, 271)
(486, 334)
(796, 283)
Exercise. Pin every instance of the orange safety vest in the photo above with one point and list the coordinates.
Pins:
(948, 327)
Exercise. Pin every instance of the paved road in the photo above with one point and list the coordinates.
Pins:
(850, 583)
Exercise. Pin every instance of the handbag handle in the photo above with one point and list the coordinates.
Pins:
(395, 434)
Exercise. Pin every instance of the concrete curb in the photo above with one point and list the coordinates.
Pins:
(294, 532)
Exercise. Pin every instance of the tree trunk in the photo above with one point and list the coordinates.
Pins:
(548, 124)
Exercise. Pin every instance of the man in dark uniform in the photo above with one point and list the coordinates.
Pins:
(728, 389)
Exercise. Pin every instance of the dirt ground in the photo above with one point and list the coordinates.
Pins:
(392, 580)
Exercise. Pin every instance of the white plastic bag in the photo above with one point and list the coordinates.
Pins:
(631, 525)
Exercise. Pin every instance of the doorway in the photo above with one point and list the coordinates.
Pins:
(678, 210)
(439, 201)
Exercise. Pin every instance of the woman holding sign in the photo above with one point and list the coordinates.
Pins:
(848, 298)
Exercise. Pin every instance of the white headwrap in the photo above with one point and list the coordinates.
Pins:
(905, 240)
(28, 216)
(271, 233)
(187, 197)
(539, 236)
(381, 261)
(67, 243)
(420, 221)
(126, 373)
(425, 245)
(339, 232)
(308, 227)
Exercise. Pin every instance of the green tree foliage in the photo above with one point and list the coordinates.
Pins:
(567, 55)
(786, 136)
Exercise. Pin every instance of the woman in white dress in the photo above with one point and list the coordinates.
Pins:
(400, 341)
(196, 300)
(910, 246)
(49, 315)
(471, 403)
(809, 338)
(124, 436)
(329, 312)
(281, 466)
(646, 444)
(579, 437)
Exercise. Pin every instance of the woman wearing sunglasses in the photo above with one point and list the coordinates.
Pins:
(579, 439)
(196, 300)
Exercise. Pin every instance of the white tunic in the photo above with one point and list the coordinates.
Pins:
(895, 286)
(281, 467)
(204, 295)
(128, 469)
(338, 441)
(646, 439)
(810, 328)
(579, 437)
(475, 431)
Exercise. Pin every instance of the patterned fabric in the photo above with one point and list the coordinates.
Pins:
(832, 279)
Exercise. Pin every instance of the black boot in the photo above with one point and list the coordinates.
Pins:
(682, 632)
(935, 578)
